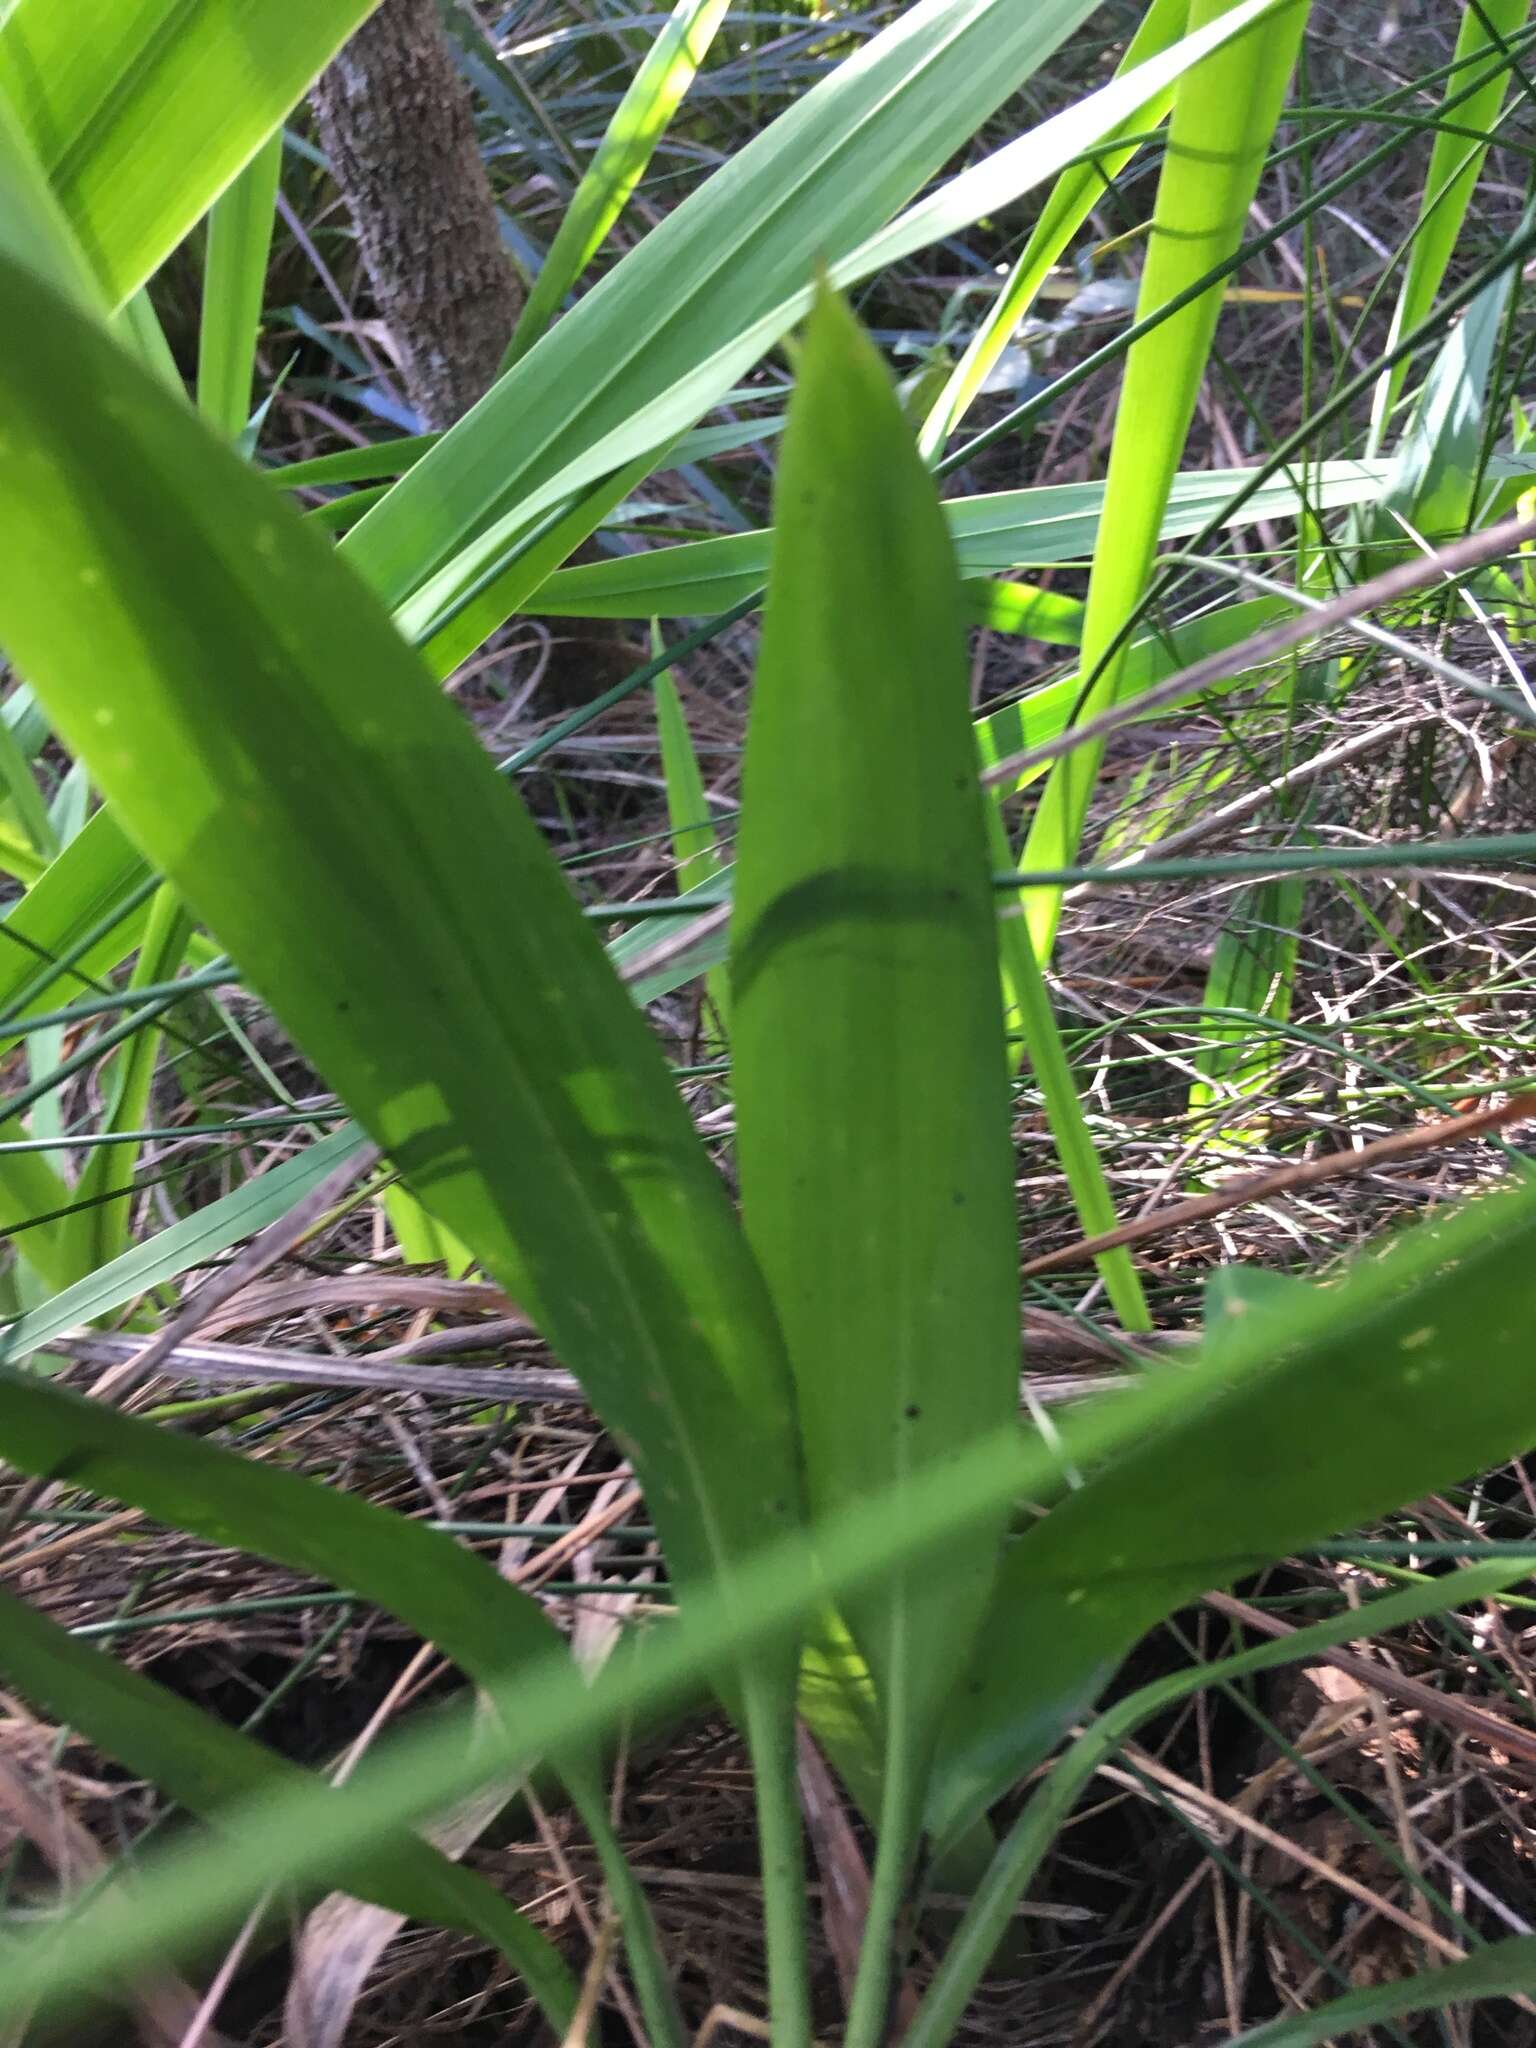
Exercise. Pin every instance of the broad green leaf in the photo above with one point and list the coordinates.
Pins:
(34, 228)
(281, 756)
(992, 534)
(1223, 118)
(868, 1052)
(1021, 608)
(424, 1241)
(183, 1891)
(142, 111)
(1454, 167)
(1313, 1414)
(639, 122)
(234, 281)
(209, 1768)
(1073, 199)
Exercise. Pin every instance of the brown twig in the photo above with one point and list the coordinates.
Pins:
(1280, 1180)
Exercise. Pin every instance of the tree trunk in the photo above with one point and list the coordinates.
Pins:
(396, 122)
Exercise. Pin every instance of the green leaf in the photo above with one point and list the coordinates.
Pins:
(1029, 999)
(286, 762)
(100, 1230)
(992, 534)
(1454, 167)
(1435, 468)
(83, 916)
(451, 1597)
(724, 277)
(181, 1891)
(1044, 714)
(142, 111)
(693, 835)
(1253, 968)
(827, 174)
(34, 228)
(234, 282)
(1224, 115)
(30, 1188)
(1073, 199)
(1316, 1411)
(196, 1240)
(208, 1768)
(869, 1059)
(639, 122)
(1502, 1970)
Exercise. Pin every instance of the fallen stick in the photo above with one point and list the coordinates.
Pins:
(1280, 1180)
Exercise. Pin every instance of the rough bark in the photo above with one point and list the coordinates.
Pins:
(396, 122)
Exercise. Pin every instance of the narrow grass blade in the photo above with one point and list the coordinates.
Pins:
(1029, 1000)
(234, 280)
(693, 837)
(992, 533)
(638, 124)
(726, 277)
(1455, 165)
(1223, 117)
(100, 1231)
(82, 917)
(137, 326)
(869, 1061)
(142, 111)
(209, 1768)
(1253, 968)
(1074, 197)
(449, 633)
(1434, 476)
(197, 1240)
(1502, 1970)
